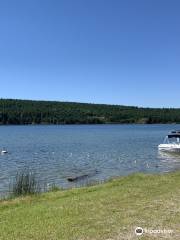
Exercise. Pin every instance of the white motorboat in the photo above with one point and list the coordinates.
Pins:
(171, 142)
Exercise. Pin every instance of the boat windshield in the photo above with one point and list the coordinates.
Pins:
(172, 139)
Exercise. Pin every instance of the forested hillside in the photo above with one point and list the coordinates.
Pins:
(51, 112)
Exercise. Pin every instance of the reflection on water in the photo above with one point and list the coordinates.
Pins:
(171, 160)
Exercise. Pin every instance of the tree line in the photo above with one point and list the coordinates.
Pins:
(14, 111)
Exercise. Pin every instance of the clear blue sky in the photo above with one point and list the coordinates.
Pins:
(99, 51)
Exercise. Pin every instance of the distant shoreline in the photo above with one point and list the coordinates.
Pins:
(84, 124)
(29, 112)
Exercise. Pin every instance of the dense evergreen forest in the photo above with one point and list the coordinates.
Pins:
(51, 112)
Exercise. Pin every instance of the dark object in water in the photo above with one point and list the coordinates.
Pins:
(81, 177)
(76, 178)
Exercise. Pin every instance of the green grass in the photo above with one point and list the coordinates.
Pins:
(108, 211)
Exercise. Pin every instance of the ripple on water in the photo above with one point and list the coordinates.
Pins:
(55, 152)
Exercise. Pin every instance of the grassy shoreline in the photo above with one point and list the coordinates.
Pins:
(110, 210)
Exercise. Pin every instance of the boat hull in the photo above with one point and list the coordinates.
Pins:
(169, 147)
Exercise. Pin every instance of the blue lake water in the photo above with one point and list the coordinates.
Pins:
(103, 151)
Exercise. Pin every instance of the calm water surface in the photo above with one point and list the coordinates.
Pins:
(102, 151)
